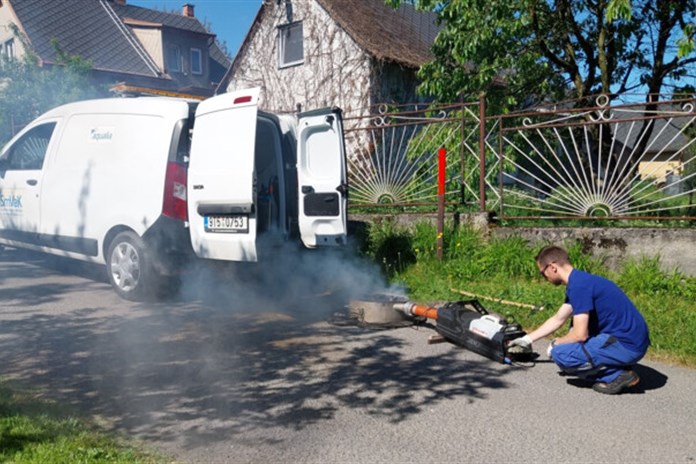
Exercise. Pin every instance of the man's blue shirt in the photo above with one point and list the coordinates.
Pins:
(614, 313)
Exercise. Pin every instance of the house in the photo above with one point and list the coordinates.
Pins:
(131, 49)
(306, 54)
(667, 150)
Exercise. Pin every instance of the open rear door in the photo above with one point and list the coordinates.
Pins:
(221, 177)
(321, 171)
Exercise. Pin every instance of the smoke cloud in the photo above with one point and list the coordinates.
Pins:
(286, 278)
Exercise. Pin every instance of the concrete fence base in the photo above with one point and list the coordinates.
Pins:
(676, 248)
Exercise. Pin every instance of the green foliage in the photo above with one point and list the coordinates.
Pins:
(33, 431)
(585, 261)
(29, 89)
(618, 9)
(515, 51)
(645, 275)
(685, 45)
(390, 246)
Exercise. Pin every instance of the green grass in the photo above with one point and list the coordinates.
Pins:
(505, 269)
(35, 431)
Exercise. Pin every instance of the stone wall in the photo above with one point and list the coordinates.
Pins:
(675, 247)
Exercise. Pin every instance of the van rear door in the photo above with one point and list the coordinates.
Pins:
(321, 171)
(221, 177)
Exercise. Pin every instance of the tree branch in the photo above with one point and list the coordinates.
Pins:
(570, 66)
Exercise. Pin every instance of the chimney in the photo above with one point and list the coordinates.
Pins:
(120, 2)
(187, 10)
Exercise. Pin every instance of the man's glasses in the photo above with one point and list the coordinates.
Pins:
(543, 271)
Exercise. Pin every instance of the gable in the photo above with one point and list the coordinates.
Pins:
(403, 36)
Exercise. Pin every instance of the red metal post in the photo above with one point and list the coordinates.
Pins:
(441, 172)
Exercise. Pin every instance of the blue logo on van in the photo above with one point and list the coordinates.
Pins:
(11, 201)
(100, 134)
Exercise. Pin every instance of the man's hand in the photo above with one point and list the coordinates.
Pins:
(520, 345)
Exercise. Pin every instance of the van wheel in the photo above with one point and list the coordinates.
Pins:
(129, 267)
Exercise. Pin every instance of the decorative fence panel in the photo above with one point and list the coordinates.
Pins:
(392, 155)
(629, 161)
(560, 162)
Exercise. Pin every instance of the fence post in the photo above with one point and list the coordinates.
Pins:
(482, 152)
(462, 157)
(441, 171)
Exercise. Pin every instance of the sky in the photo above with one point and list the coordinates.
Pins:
(230, 20)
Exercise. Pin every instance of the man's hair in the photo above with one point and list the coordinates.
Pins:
(551, 254)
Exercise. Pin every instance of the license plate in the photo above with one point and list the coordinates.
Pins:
(230, 223)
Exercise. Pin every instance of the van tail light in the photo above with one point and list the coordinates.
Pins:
(174, 204)
(243, 99)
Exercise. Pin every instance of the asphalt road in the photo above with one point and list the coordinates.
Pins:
(252, 367)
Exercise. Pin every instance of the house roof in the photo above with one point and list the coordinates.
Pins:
(145, 16)
(668, 124)
(404, 35)
(83, 27)
(172, 20)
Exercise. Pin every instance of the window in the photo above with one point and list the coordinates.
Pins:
(29, 151)
(173, 58)
(8, 49)
(196, 61)
(290, 49)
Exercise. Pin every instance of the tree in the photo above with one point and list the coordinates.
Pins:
(558, 48)
(28, 89)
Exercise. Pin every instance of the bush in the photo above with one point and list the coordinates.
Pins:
(645, 275)
(390, 246)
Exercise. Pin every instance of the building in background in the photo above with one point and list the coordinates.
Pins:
(348, 53)
(131, 49)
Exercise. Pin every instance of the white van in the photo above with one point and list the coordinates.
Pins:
(142, 184)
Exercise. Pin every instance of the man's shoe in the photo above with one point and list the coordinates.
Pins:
(626, 379)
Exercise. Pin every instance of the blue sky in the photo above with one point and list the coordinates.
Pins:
(228, 19)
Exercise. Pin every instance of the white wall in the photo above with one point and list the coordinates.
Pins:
(335, 72)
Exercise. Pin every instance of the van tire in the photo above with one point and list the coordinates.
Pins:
(129, 267)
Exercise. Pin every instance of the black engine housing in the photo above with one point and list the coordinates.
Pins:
(454, 319)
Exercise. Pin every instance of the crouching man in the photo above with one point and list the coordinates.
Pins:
(608, 335)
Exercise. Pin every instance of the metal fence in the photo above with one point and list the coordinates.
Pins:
(561, 162)
(392, 154)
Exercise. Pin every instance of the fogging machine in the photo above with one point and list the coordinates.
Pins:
(468, 324)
